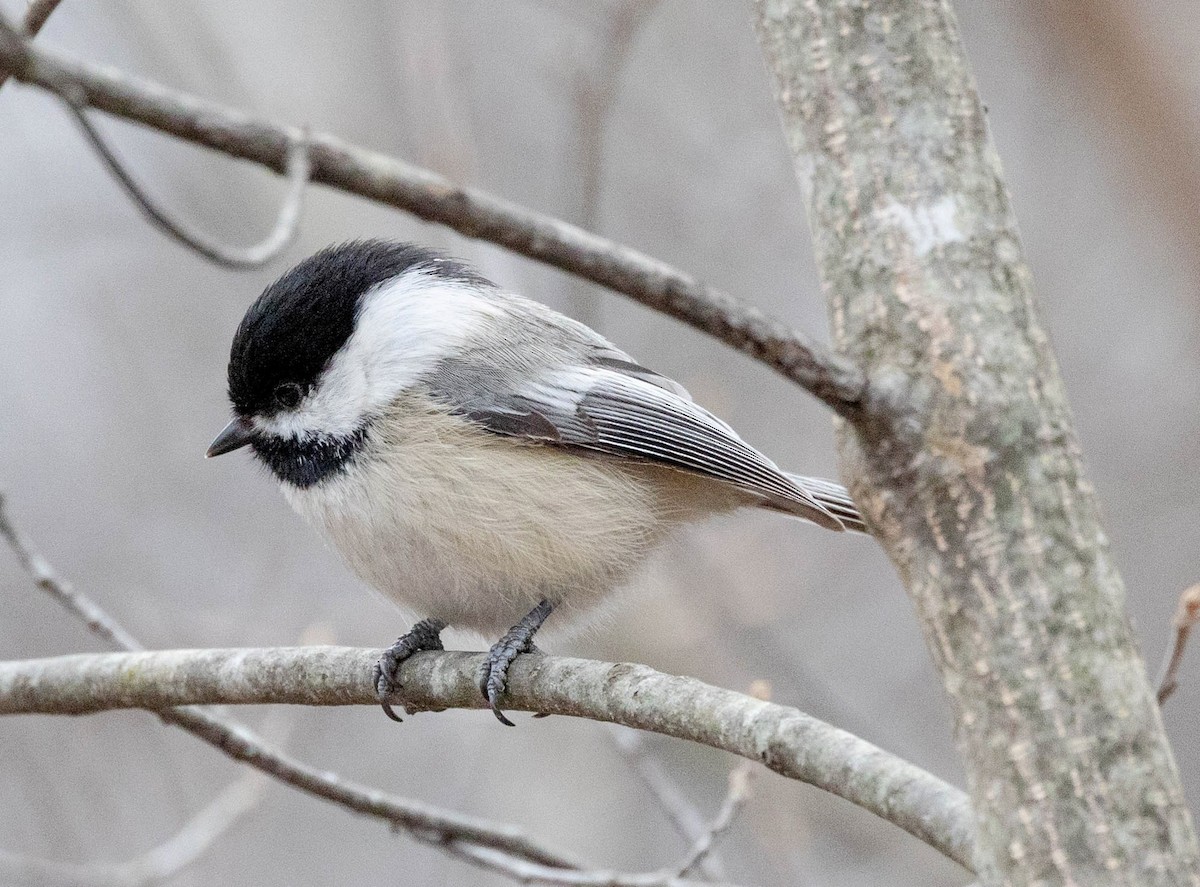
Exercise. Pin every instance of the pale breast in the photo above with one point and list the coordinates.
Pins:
(475, 528)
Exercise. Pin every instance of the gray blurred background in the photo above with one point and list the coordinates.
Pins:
(113, 344)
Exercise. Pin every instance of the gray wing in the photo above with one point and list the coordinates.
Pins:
(594, 397)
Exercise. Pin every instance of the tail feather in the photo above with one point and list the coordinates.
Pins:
(834, 498)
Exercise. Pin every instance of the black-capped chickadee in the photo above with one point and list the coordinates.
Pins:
(475, 455)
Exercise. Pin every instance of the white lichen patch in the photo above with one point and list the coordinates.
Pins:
(927, 226)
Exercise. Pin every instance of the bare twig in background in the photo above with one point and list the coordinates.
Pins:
(532, 873)
(688, 821)
(473, 213)
(686, 818)
(36, 15)
(166, 860)
(421, 821)
(786, 740)
(735, 798)
(97, 621)
(593, 98)
(296, 168)
(424, 822)
(151, 868)
(287, 222)
(1186, 616)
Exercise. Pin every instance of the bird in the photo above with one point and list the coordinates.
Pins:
(474, 455)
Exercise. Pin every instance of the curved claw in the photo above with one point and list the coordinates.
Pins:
(493, 672)
(500, 716)
(423, 636)
(492, 684)
(384, 687)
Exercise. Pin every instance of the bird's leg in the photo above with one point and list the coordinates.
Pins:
(425, 635)
(493, 673)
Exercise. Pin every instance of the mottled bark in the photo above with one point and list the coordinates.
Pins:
(964, 457)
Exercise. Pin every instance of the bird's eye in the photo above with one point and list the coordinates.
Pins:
(288, 395)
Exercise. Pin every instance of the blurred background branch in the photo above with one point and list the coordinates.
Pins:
(612, 29)
(157, 865)
(687, 820)
(1186, 616)
(163, 862)
(36, 16)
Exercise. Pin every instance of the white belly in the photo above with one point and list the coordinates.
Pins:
(476, 529)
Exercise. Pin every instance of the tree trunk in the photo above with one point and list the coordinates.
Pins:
(963, 453)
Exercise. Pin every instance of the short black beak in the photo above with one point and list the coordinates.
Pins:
(234, 436)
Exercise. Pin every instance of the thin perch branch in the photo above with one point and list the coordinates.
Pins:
(784, 739)
(472, 213)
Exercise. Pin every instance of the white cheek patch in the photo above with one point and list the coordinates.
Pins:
(404, 328)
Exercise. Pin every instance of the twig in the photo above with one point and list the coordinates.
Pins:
(532, 873)
(35, 18)
(735, 798)
(287, 222)
(296, 168)
(151, 868)
(688, 821)
(387, 180)
(594, 98)
(784, 739)
(97, 621)
(423, 822)
(1186, 616)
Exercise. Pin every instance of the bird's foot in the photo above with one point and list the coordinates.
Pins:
(493, 673)
(425, 635)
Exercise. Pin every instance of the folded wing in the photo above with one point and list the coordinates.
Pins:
(622, 410)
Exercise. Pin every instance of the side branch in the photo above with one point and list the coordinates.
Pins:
(470, 212)
(784, 739)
